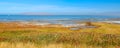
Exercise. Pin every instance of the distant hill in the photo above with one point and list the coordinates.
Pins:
(36, 13)
(57, 13)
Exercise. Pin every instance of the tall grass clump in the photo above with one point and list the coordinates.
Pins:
(72, 38)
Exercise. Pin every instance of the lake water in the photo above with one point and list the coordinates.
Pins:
(55, 17)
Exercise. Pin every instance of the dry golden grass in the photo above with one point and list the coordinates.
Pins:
(17, 45)
(102, 28)
(105, 28)
(31, 45)
(13, 35)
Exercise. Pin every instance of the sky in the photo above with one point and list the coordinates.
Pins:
(60, 6)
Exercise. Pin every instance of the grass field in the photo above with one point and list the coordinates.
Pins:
(14, 36)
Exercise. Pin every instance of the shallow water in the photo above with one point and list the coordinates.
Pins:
(56, 19)
(53, 17)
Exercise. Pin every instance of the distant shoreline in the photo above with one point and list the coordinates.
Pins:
(57, 17)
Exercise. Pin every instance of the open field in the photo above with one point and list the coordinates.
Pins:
(13, 35)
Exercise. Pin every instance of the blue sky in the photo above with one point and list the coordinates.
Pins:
(60, 6)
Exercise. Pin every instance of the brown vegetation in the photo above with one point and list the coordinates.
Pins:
(27, 36)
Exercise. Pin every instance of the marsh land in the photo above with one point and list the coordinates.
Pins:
(22, 35)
